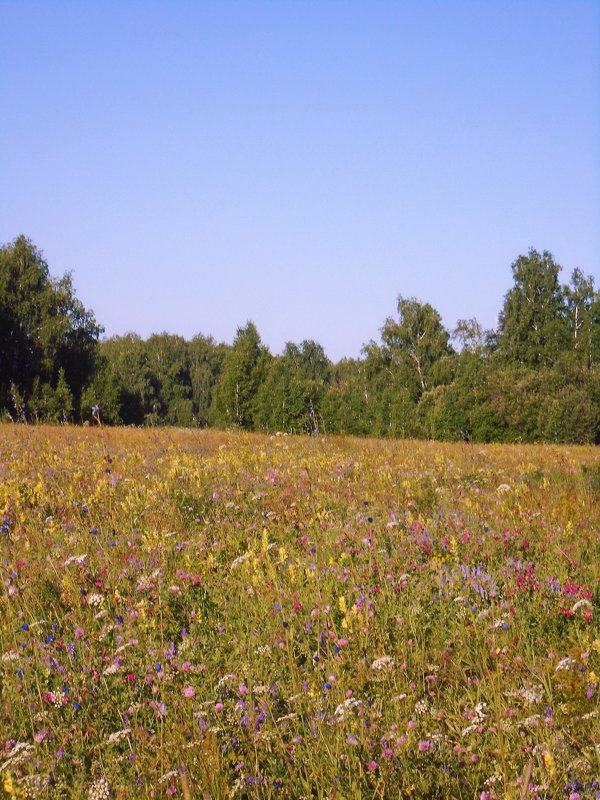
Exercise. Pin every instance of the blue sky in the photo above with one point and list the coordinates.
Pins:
(299, 163)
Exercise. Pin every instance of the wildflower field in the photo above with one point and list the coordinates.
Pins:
(210, 615)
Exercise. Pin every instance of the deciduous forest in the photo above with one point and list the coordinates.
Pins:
(536, 378)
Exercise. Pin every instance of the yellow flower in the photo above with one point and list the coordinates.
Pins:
(549, 763)
(8, 785)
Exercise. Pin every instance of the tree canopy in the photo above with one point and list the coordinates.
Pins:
(48, 340)
(535, 378)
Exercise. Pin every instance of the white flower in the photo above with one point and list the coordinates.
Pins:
(76, 560)
(345, 707)
(18, 753)
(10, 655)
(293, 715)
(421, 707)
(383, 662)
(566, 663)
(99, 790)
(580, 604)
(168, 775)
(117, 735)
(95, 599)
(532, 694)
(239, 560)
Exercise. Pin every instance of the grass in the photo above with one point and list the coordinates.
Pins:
(211, 615)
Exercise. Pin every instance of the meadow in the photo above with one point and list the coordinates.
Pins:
(198, 614)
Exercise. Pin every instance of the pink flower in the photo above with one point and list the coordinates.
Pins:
(218, 706)
(372, 766)
(188, 691)
(424, 745)
(40, 735)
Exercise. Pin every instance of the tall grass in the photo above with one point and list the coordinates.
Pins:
(206, 615)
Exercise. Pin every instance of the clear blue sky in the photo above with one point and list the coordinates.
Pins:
(298, 163)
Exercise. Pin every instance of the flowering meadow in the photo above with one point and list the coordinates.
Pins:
(197, 614)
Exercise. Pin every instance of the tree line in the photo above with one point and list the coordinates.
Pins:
(534, 378)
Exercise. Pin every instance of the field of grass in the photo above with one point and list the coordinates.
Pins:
(211, 615)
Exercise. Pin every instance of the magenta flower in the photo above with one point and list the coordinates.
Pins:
(188, 691)
(424, 745)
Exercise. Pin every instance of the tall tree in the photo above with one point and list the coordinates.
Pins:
(533, 328)
(418, 339)
(168, 362)
(206, 362)
(44, 328)
(583, 316)
(243, 370)
(138, 395)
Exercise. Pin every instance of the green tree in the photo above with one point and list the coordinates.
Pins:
(103, 391)
(289, 399)
(168, 362)
(347, 407)
(205, 364)
(43, 327)
(533, 328)
(583, 317)
(417, 340)
(50, 404)
(244, 368)
(128, 360)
